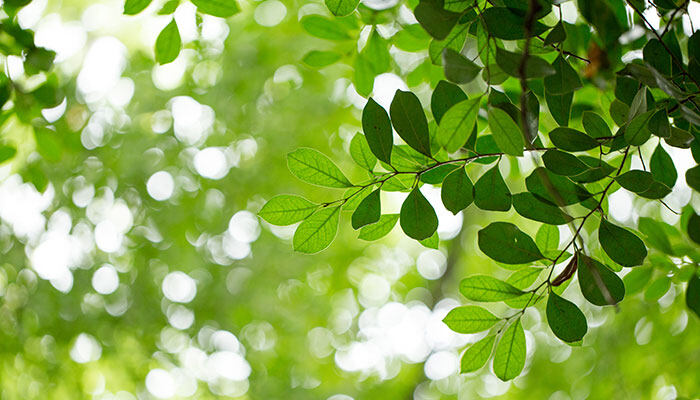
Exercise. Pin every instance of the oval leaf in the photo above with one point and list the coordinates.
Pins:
(504, 242)
(623, 246)
(509, 359)
(312, 166)
(287, 209)
(470, 319)
(566, 320)
(457, 191)
(477, 354)
(318, 231)
(487, 289)
(418, 218)
(409, 120)
(599, 285)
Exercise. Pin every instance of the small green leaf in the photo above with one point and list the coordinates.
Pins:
(376, 51)
(504, 242)
(657, 289)
(476, 356)
(565, 80)
(470, 319)
(368, 211)
(217, 8)
(658, 124)
(491, 192)
(547, 238)
(487, 289)
(594, 125)
(457, 125)
(562, 163)
(324, 28)
(169, 7)
(133, 7)
(434, 19)
(320, 59)
(599, 285)
(418, 218)
(287, 209)
(531, 207)
(566, 320)
(409, 120)
(572, 140)
(455, 40)
(636, 132)
(636, 180)
(692, 178)
(509, 359)
(168, 43)
(535, 67)
(692, 294)
(377, 128)
(47, 144)
(7, 152)
(313, 167)
(361, 153)
(318, 231)
(436, 175)
(457, 191)
(445, 96)
(636, 279)
(380, 228)
(363, 77)
(556, 189)
(559, 106)
(505, 132)
(524, 278)
(458, 69)
(433, 242)
(341, 8)
(623, 247)
(502, 23)
(694, 227)
(556, 35)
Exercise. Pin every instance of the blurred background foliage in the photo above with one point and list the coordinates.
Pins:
(134, 267)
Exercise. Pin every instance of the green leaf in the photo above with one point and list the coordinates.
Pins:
(509, 359)
(436, 175)
(434, 19)
(504, 24)
(524, 278)
(380, 228)
(505, 132)
(318, 231)
(470, 319)
(457, 125)
(377, 128)
(562, 163)
(324, 28)
(565, 319)
(491, 192)
(657, 289)
(487, 289)
(692, 294)
(564, 80)
(457, 191)
(313, 167)
(376, 51)
(597, 170)
(656, 55)
(418, 218)
(600, 14)
(556, 189)
(476, 356)
(623, 246)
(547, 238)
(133, 7)
(7, 152)
(658, 124)
(662, 167)
(168, 43)
(169, 7)
(636, 279)
(657, 234)
(341, 8)
(531, 207)
(361, 153)
(692, 178)
(559, 106)
(694, 227)
(572, 140)
(364, 75)
(636, 180)
(556, 35)
(505, 243)
(599, 285)
(595, 126)
(217, 8)
(535, 67)
(445, 96)
(287, 209)
(636, 132)
(368, 211)
(409, 120)
(458, 69)
(319, 59)
(455, 40)
(399, 183)
(354, 196)
(433, 242)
